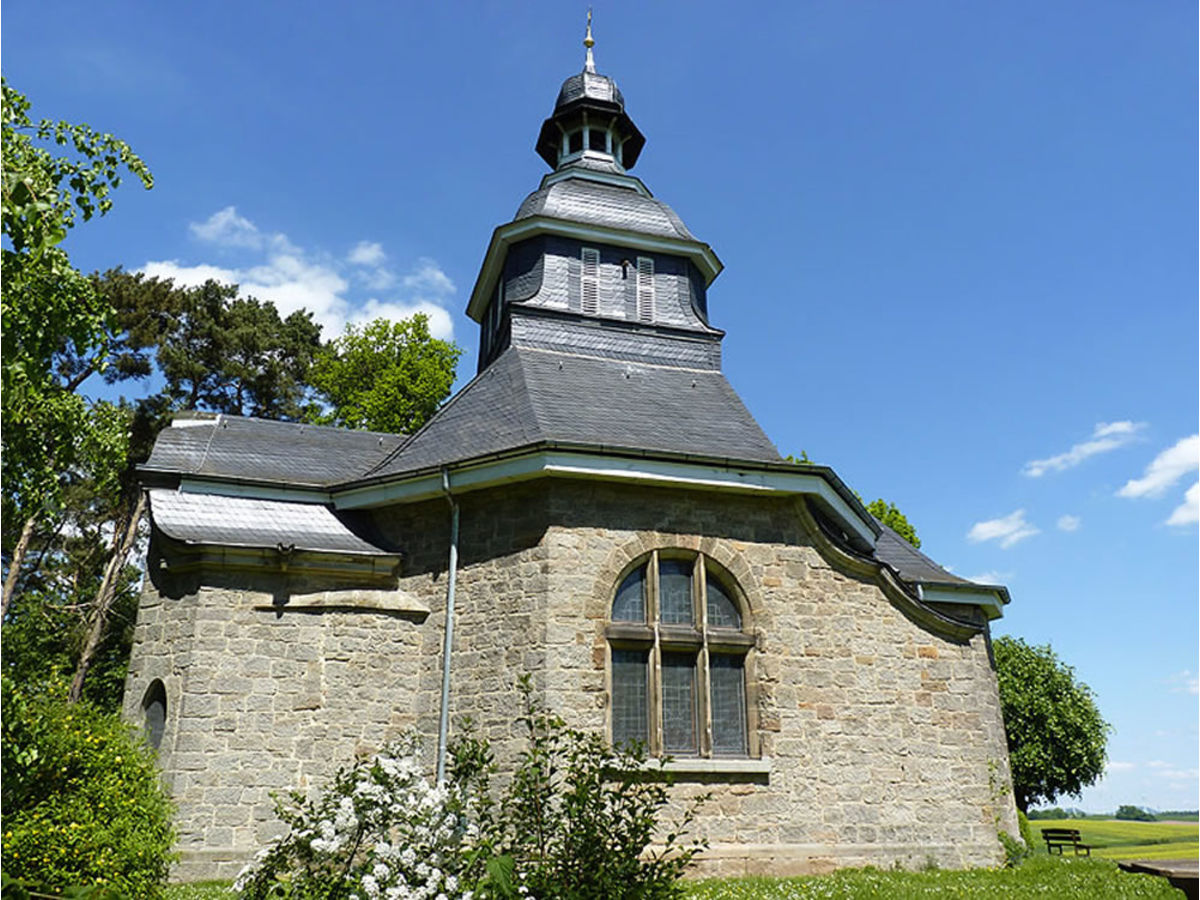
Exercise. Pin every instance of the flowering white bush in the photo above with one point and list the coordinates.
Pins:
(381, 831)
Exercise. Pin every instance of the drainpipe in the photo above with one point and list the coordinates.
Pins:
(452, 572)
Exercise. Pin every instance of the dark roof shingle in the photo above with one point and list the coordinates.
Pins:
(595, 203)
(533, 396)
(262, 450)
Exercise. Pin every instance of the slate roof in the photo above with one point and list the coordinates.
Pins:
(265, 451)
(594, 203)
(532, 396)
(590, 85)
(245, 522)
(911, 563)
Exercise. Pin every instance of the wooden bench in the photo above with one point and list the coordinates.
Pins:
(1064, 837)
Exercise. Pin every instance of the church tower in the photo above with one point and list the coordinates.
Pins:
(593, 311)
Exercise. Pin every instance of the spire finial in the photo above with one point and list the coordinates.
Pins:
(590, 64)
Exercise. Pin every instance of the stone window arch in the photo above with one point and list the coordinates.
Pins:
(154, 712)
(680, 641)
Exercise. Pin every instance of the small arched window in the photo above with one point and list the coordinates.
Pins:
(678, 642)
(154, 712)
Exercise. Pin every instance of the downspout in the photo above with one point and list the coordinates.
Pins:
(452, 572)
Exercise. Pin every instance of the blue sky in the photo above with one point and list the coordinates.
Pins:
(960, 246)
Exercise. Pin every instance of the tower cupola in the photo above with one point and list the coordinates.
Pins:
(589, 126)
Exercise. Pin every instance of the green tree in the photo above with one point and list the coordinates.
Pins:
(231, 354)
(889, 515)
(1056, 737)
(386, 376)
(48, 309)
(1133, 814)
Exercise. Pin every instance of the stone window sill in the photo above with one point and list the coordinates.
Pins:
(714, 766)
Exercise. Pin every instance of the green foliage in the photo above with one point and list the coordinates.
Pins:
(47, 306)
(1056, 737)
(1026, 830)
(1133, 814)
(1067, 879)
(1015, 851)
(83, 804)
(47, 624)
(386, 376)
(1052, 812)
(579, 817)
(889, 515)
(221, 352)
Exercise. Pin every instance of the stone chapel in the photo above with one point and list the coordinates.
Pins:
(596, 508)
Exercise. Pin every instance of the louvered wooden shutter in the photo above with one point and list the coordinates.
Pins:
(645, 289)
(590, 285)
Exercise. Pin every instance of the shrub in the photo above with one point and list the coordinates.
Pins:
(379, 830)
(579, 817)
(1026, 829)
(83, 804)
(575, 823)
(1015, 851)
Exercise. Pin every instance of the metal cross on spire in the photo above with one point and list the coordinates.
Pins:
(590, 64)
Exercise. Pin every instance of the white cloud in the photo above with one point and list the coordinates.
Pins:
(1165, 469)
(226, 228)
(1008, 530)
(1119, 767)
(1068, 523)
(367, 253)
(428, 280)
(991, 577)
(294, 279)
(1106, 436)
(440, 323)
(1172, 464)
(189, 276)
(1187, 512)
(1184, 682)
(1168, 770)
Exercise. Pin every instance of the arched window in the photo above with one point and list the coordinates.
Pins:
(679, 639)
(154, 712)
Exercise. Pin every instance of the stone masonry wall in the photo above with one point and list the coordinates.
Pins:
(885, 740)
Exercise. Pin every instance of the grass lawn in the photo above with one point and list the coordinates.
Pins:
(1065, 879)
(1068, 879)
(1115, 839)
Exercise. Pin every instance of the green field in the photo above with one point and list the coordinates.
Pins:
(1115, 839)
(1068, 879)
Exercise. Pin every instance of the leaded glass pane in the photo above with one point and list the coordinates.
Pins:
(722, 611)
(630, 707)
(726, 678)
(675, 591)
(679, 702)
(630, 605)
